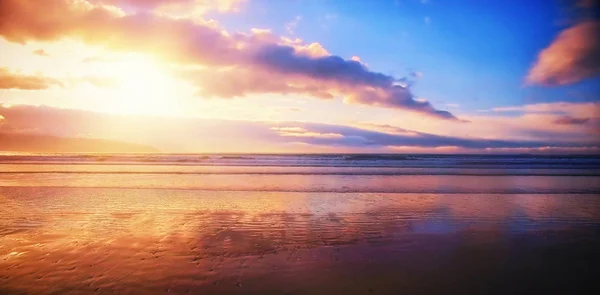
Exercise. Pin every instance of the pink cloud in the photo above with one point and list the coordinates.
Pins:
(240, 82)
(281, 66)
(194, 134)
(573, 56)
(560, 122)
(219, 5)
(548, 149)
(585, 109)
(568, 120)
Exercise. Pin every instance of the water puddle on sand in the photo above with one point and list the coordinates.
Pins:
(143, 241)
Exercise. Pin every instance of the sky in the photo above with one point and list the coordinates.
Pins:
(304, 76)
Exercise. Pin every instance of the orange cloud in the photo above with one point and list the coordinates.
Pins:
(197, 134)
(140, 3)
(15, 142)
(169, 5)
(292, 67)
(40, 52)
(573, 56)
(16, 80)
(101, 82)
(10, 80)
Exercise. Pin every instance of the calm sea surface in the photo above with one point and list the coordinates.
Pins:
(299, 224)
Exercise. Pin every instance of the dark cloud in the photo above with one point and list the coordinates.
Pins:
(285, 59)
(587, 3)
(256, 63)
(367, 87)
(568, 120)
(400, 97)
(191, 134)
(402, 137)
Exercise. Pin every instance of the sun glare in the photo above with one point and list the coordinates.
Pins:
(142, 87)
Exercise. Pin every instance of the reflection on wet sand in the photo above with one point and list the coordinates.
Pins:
(137, 241)
(469, 184)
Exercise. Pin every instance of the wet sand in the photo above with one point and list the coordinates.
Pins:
(156, 241)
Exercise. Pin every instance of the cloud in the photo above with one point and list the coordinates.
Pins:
(284, 59)
(282, 63)
(590, 150)
(353, 136)
(16, 80)
(93, 59)
(12, 80)
(40, 52)
(587, 3)
(143, 4)
(416, 75)
(585, 109)
(568, 120)
(100, 82)
(196, 6)
(387, 128)
(172, 134)
(330, 16)
(573, 56)
(396, 97)
(291, 26)
(301, 132)
(535, 122)
(14, 142)
(240, 82)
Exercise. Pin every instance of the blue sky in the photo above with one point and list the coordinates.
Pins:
(472, 53)
(308, 75)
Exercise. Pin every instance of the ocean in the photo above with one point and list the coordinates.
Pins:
(298, 224)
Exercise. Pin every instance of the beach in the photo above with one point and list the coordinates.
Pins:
(299, 224)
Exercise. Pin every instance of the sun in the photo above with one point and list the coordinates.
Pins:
(143, 86)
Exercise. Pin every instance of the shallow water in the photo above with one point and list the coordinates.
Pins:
(233, 231)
